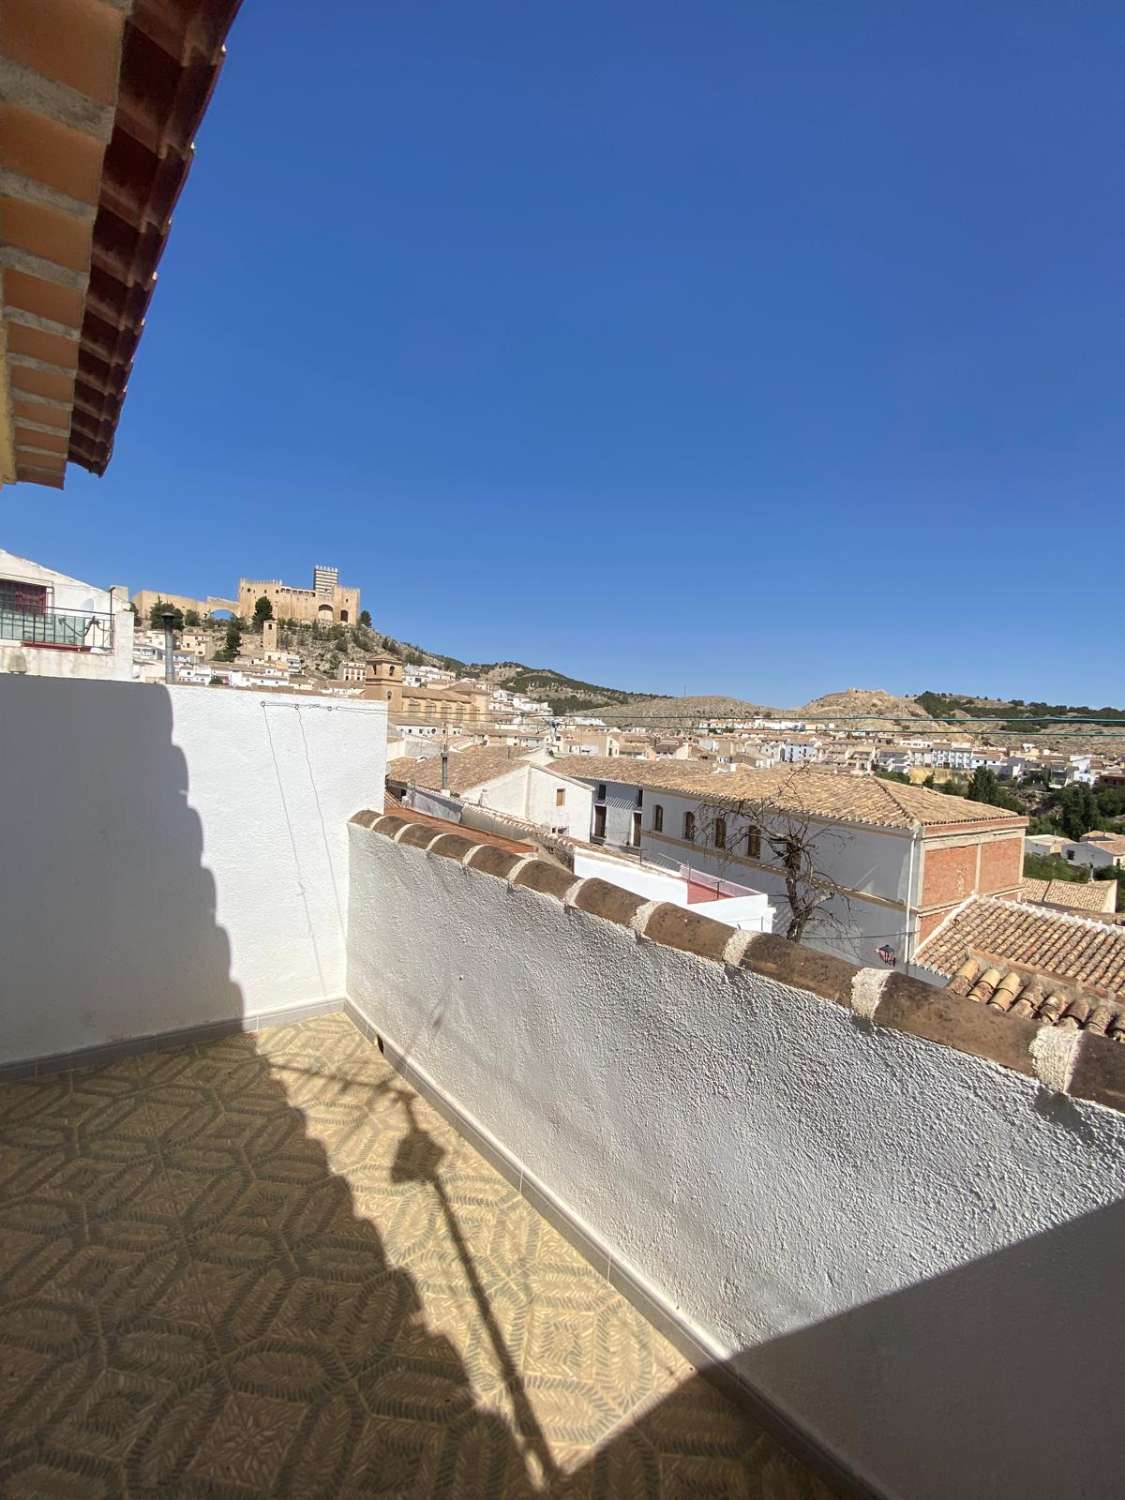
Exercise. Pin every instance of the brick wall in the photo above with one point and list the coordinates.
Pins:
(1001, 865)
(949, 875)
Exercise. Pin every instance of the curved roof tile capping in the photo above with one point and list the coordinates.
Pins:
(1068, 1041)
(99, 101)
(1053, 966)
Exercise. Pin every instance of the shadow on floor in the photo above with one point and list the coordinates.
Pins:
(264, 1267)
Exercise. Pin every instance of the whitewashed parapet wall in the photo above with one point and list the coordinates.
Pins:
(171, 857)
(886, 1207)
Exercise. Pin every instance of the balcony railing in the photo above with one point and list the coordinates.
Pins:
(85, 630)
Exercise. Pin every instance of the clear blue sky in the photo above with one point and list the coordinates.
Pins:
(742, 347)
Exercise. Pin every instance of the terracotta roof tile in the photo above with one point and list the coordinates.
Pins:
(467, 768)
(1094, 895)
(858, 799)
(1051, 946)
(1037, 998)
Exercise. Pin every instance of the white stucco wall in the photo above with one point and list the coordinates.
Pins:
(750, 912)
(171, 857)
(575, 814)
(910, 1251)
(66, 593)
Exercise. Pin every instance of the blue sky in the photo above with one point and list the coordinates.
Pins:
(752, 348)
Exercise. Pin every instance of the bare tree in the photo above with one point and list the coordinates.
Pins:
(778, 830)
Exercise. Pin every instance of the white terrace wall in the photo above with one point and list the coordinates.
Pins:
(171, 857)
(909, 1251)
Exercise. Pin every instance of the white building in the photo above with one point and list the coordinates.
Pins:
(498, 778)
(900, 857)
(52, 625)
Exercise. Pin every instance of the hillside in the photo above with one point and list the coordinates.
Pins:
(1011, 709)
(676, 712)
(866, 708)
(566, 695)
(1013, 714)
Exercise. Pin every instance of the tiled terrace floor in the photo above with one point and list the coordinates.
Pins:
(264, 1266)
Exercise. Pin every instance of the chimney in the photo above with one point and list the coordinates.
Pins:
(445, 768)
(168, 616)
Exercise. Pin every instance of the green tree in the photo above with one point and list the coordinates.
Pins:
(365, 618)
(191, 617)
(1078, 810)
(156, 616)
(263, 610)
(233, 642)
(985, 787)
(1052, 867)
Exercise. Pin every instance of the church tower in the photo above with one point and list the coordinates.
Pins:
(384, 681)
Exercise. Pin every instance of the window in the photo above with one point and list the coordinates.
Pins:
(560, 796)
(689, 827)
(23, 598)
(343, 617)
(658, 819)
(601, 792)
(640, 797)
(753, 843)
(720, 833)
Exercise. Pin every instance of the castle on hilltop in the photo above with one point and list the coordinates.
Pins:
(328, 602)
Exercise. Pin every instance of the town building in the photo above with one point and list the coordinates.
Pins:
(1097, 850)
(463, 704)
(900, 857)
(498, 778)
(52, 625)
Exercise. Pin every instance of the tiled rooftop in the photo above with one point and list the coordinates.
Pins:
(811, 790)
(1091, 896)
(467, 768)
(1070, 948)
(264, 1266)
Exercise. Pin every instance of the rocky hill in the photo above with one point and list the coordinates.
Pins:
(866, 708)
(679, 713)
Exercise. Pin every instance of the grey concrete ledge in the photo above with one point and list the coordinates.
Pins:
(882, 999)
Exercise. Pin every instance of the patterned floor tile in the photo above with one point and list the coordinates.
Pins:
(265, 1267)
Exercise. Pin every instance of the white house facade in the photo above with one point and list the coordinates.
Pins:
(52, 625)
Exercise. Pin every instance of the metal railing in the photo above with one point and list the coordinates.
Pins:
(85, 630)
